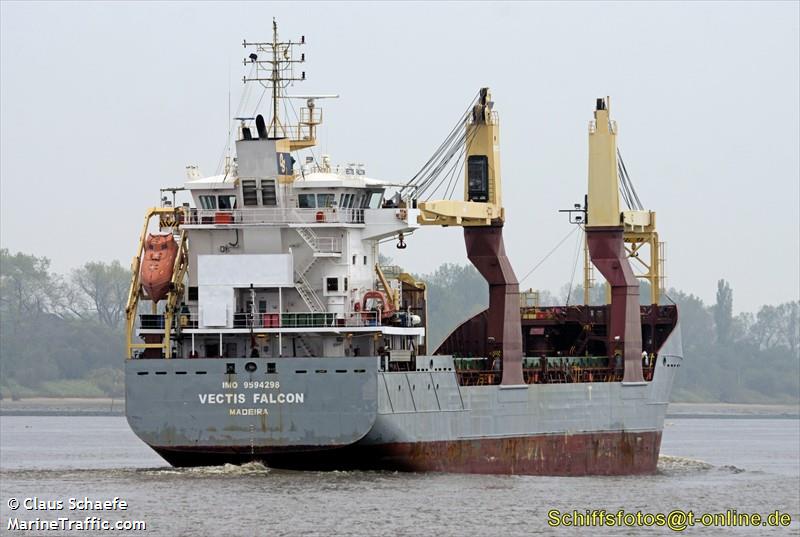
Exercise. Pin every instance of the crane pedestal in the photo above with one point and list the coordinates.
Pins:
(607, 252)
(486, 251)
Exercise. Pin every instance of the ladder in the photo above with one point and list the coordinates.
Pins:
(304, 346)
(311, 238)
(308, 294)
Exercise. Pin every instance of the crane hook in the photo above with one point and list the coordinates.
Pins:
(401, 245)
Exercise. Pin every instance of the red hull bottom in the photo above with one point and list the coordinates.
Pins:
(579, 454)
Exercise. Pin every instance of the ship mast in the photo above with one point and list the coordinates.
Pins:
(275, 69)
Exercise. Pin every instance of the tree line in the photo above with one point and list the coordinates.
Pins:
(63, 335)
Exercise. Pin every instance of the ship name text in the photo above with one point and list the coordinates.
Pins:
(256, 398)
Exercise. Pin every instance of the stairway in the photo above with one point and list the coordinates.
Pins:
(308, 235)
(308, 294)
(304, 346)
(325, 246)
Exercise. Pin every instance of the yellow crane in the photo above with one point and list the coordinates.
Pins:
(482, 205)
(482, 216)
(605, 239)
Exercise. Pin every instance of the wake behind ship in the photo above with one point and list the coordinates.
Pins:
(262, 326)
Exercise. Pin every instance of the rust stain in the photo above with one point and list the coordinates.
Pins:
(579, 454)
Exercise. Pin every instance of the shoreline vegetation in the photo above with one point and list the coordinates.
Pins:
(62, 336)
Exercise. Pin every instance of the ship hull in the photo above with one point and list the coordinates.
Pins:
(566, 454)
(351, 415)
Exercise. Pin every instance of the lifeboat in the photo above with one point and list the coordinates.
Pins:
(385, 307)
(159, 259)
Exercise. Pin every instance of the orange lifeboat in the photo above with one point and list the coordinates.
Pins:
(385, 307)
(159, 259)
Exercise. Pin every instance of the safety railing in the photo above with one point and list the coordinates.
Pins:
(191, 320)
(557, 375)
(328, 244)
(274, 215)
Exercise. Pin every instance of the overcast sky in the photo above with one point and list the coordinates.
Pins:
(102, 104)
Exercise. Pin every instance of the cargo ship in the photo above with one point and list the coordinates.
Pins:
(268, 329)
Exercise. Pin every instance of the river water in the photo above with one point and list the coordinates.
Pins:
(707, 466)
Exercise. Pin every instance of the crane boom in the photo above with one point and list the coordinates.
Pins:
(482, 205)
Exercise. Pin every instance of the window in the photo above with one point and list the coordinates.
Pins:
(344, 200)
(325, 200)
(306, 201)
(375, 200)
(478, 178)
(192, 293)
(249, 192)
(332, 284)
(354, 260)
(345, 284)
(208, 202)
(365, 260)
(227, 202)
(268, 196)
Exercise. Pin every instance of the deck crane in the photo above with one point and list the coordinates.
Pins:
(482, 216)
(607, 231)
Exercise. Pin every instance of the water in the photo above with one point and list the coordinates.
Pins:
(707, 465)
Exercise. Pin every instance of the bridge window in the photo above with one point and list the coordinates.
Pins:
(227, 202)
(208, 202)
(324, 200)
(375, 200)
(306, 201)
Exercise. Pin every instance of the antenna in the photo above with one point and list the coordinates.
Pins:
(228, 142)
(275, 63)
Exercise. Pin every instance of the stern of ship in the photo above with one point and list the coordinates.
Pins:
(213, 411)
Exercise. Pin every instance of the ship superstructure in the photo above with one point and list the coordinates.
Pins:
(277, 335)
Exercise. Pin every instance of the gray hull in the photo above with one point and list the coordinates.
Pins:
(350, 414)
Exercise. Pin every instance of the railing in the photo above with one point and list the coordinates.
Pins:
(392, 271)
(320, 244)
(550, 375)
(565, 375)
(256, 321)
(328, 244)
(275, 215)
(338, 169)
